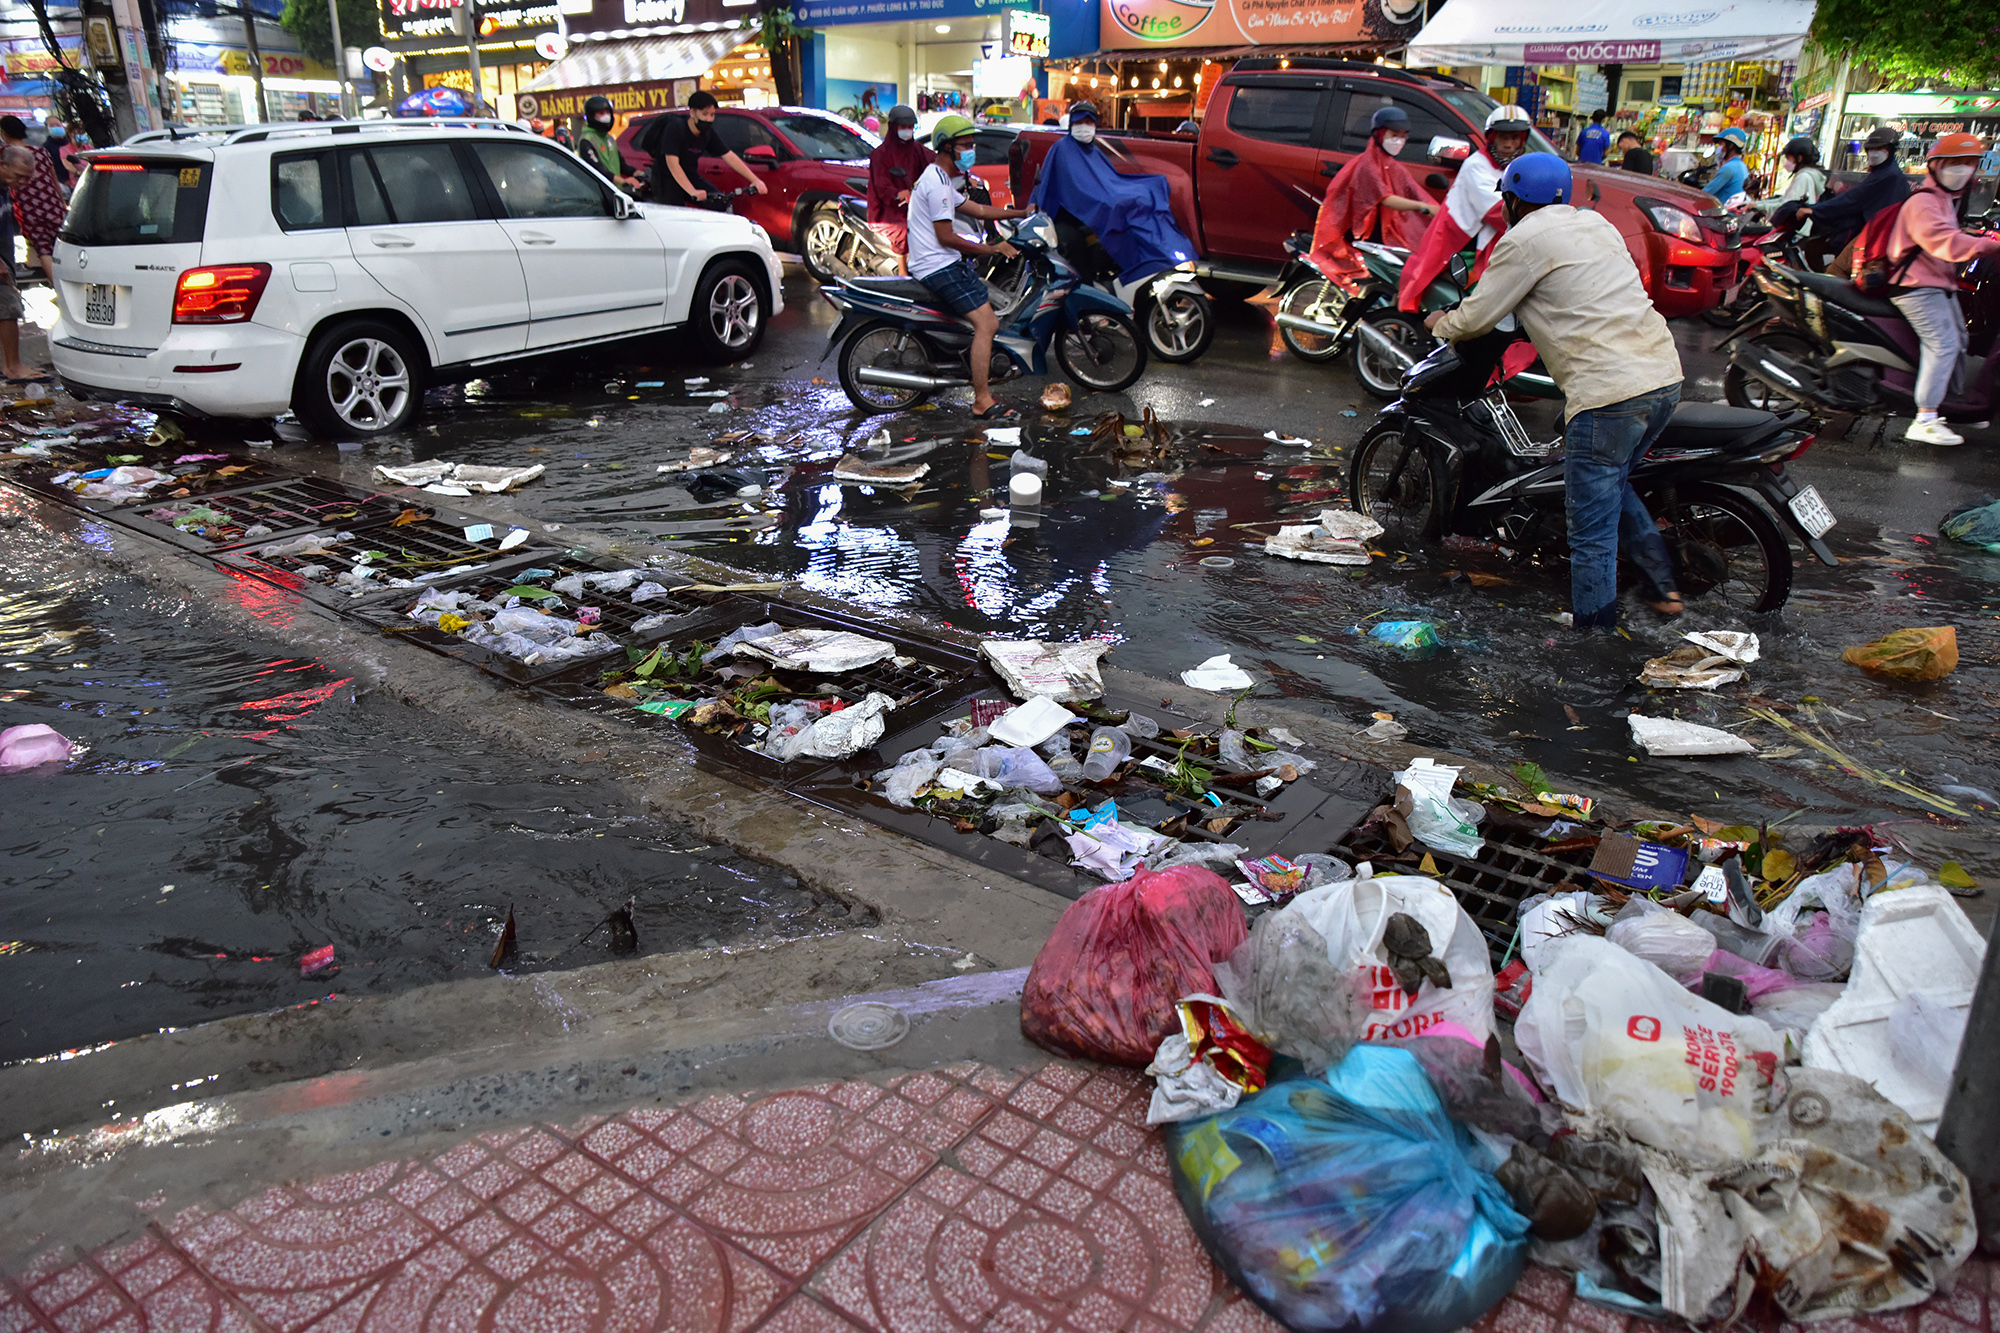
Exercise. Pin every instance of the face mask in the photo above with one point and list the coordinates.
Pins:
(906, 135)
(1877, 156)
(602, 122)
(965, 160)
(1083, 132)
(59, 133)
(1392, 144)
(1954, 178)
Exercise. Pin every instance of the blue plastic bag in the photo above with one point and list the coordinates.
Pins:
(1405, 634)
(1975, 525)
(1351, 1203)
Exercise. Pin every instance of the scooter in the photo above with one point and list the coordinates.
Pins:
(1828, 346)
(1763, 242)
(1173, 312)
(1450, 458)
(897, 346)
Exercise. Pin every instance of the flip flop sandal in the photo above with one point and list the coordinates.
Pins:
(997, 415)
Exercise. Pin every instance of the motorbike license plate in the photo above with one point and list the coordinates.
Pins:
(100, 303)
(1811, 511)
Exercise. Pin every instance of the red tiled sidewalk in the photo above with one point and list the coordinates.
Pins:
(965, 1198)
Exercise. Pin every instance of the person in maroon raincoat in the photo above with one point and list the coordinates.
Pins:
(893, 169)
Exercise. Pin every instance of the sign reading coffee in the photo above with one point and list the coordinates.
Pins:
(1128, 24)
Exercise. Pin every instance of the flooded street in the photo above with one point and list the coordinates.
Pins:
(239, 806)
(1118, 555)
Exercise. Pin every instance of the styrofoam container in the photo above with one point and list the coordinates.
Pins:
(1911, 940)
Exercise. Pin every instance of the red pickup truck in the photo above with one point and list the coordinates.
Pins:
(1274, 134)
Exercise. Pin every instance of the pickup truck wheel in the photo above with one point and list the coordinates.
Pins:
(1380, 373)
(728, 311)
(360, 378)
(819, 244)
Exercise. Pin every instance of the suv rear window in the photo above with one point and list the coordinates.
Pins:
(823, 139)
(139, 203)
(302, 191)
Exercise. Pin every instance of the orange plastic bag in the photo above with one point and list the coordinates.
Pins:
(1105, 984)
(1909, 654)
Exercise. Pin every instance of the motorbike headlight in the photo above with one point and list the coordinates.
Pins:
(1671, 219)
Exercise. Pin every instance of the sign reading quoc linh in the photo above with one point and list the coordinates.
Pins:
(1129, 24)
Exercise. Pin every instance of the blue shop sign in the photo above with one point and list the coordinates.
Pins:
(827, 13)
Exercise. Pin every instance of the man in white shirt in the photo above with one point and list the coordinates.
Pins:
(1566, 274)
(938, 250)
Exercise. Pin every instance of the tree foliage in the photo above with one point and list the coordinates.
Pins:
(360, 25)
(1950, 43)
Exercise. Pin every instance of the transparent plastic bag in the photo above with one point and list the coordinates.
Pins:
(1106, 981)
(906, 779)
(1012, 766)
(1287, 993)
(1351, 1204)
(1664, 938)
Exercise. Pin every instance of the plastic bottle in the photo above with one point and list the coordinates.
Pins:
(1109, 747)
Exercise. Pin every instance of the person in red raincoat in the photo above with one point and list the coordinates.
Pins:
(1374, 198)
(893, 169)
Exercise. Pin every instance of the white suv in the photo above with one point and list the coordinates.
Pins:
(338, 268)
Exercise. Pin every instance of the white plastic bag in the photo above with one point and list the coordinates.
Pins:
(1351, 916)
(1217, 675)
(1621, 1041)
(1546, 918)
(1668, 736)
(1184, 1087)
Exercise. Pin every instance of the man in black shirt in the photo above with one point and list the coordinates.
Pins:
(1632, 154)
(681, 143)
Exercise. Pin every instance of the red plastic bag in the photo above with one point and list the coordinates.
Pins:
(1105, 984)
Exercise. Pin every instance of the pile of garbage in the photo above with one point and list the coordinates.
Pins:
(1101, 789)
(542, 618)
(1732, 1054)
(784, 693)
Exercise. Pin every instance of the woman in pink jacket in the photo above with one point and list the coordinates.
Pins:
(1929, 245)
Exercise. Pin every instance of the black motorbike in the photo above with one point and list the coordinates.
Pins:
(1450, 458)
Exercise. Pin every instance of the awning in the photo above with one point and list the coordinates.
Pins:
(1608, 32)
(612, 64)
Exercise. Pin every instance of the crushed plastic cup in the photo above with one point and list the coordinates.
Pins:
(1109, 747)
(868, 1026)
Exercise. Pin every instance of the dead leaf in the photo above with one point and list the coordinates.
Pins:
(1571, 713)
(407, 517)
(232, 470)
(1481, 579)
(621, 690)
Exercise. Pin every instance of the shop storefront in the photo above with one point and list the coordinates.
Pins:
(26, 68)
(214, 85)
(639, 75)
(1922, 118)
(938, 56)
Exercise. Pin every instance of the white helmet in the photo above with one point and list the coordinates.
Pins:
(1508, 111)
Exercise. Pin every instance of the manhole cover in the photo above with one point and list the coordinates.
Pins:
(868, 1027)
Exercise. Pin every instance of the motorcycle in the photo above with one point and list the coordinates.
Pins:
(1763, 242)
(1828, 346)
(1172, 310)
(1450, 458)
(897, 347)
(839, 243)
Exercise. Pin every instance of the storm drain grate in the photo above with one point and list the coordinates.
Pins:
(429, 548)
(619, 617)
(38, 474)
(935, 675)
(284, 507)
(1311, 814)
(1509, 869)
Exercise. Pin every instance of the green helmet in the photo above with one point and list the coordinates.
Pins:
(951, 127)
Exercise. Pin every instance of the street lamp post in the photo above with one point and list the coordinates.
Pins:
(339, 57)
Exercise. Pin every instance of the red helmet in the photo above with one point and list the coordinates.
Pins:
(1956, 145)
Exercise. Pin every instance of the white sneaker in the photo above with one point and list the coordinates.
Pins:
(1932, 432)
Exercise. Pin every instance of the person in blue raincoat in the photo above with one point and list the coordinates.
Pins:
(1108, 224)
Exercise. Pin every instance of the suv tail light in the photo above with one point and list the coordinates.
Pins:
(221, 294)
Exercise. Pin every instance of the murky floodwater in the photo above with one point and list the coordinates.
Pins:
(239, 806)
(1117, 555)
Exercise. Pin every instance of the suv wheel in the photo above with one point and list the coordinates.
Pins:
(728, 313)
(359, 378)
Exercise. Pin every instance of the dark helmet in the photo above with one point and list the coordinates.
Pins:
(1802, 150)
(1390, 118)
(1883, 136)
(902, 115)
(597, 106)
(1082, 111)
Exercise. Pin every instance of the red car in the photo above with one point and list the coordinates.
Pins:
(804, 157)
(1272, 135)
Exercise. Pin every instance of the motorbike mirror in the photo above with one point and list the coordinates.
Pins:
(1445, 149)
(1460, 269)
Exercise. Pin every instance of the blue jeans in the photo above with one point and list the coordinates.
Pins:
(1600, 447)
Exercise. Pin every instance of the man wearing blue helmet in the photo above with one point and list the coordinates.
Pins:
(1566, 275)
(1732, 173)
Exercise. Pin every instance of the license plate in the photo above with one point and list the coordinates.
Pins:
(100, 303)
(1811, 511)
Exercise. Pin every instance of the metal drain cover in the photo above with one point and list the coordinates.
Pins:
(868, 1027)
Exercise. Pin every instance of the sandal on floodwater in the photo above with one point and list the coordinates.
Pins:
(997, 415)
(1670, 605)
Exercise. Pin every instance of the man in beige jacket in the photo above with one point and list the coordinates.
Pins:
(1565, 274)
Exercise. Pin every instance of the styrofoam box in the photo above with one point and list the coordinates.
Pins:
(1914, 939)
